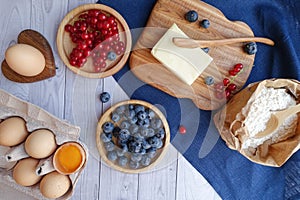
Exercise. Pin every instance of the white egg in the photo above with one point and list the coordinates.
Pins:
(25, 59)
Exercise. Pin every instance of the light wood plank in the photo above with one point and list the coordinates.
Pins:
(191, 185)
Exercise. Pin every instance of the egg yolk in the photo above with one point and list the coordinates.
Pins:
(69, 158)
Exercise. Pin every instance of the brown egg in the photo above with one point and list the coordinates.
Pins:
(40, 144)
(54, 185)
(13, 131)
(25, 59)
(24, 172)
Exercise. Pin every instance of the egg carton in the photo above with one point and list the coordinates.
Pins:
(35, 118)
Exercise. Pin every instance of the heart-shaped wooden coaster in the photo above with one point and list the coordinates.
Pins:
(38, 41)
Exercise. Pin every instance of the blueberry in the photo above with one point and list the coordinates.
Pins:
(205, 23)
(120, 152)
(125, 148)
(145, 161)
(206, 49)
(146, 145)
(104, 97)
(134, 165)
(122, 161)
(155, 142)
(112, 155)
(141, 115)
(143, 151)
(115, 117)
(151, 152)
(131, 107)
(109, 146)
(105, 138)
(136, 157)
(108, 127)
(130, 114)
(133, 128)
(120, 109)
(209, 80)
(111, 56)
(139, 139)
(149, 132)
(150, 113)
(156, 123)
(250, 48)
(191, 16)
(124, 134)
(125, 125)
(138, 108)
(133, 120)
(116, 131)
(144, 123)
(160, 134)
(134, 147)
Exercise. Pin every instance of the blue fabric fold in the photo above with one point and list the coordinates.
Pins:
(230, 174)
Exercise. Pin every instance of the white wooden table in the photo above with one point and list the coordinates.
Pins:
(75, 99)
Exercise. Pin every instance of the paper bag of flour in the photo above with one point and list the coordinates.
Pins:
(247, 114)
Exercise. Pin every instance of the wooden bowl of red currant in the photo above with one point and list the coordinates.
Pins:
(94, 41)
(132, 136)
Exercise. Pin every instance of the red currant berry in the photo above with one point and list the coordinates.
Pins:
(232, 72)
(238, 66)
(226, 81)
(231, 87)
(68, 28)
(102, 16)
(182, 129)
(227, 93)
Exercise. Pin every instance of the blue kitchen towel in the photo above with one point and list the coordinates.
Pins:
(230, 174)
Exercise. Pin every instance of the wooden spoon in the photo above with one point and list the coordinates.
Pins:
(277, 119)
(191, 43)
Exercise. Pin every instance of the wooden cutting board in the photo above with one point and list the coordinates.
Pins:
(151, 71)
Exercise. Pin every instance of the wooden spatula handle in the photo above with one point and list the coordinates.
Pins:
(190, 43)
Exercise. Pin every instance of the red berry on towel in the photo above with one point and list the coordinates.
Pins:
(182, 129)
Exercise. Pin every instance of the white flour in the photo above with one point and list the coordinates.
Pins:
(259, 112)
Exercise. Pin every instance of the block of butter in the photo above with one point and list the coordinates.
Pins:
(187, 64)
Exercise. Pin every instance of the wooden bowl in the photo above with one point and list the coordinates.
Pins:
(65, 45)
(107, 117)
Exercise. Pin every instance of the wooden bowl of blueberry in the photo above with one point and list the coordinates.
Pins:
(132, 136)
(94, 41)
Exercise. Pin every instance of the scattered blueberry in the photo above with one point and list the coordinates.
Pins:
(112, 155)
(111, 56)
(209, 80)
(104, 97)
(191, 16)
(250, 48)
(108, 127)
(205, 23)
(206, 49)
(123, 161)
